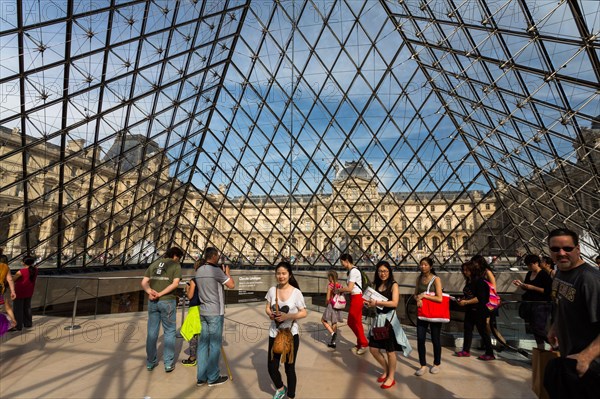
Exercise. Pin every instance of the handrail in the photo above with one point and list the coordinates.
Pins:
(492, 326)
(501, 339)
(317, 289)
(96, 296)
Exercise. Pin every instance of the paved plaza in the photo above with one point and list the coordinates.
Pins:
(105, 358)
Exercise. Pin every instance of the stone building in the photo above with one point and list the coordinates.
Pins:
(357, 218)
(564, 195)
(113, 215)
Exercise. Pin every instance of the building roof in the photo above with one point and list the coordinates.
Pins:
(353, 169)
(132, 149)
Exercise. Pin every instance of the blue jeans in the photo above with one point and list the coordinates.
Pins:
(161, 312)
(209, 348)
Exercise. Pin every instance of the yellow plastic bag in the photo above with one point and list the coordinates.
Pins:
(191, 325)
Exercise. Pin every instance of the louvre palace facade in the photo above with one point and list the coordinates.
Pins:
(129, 218)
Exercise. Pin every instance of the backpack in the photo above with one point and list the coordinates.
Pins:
(365, 282)
(494, 301)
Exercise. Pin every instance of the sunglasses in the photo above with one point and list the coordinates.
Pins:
(566, 249)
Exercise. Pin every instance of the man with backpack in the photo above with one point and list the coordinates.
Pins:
(354, 285)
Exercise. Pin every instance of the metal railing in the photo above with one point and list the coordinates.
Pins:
(509, 330)
(505, 325)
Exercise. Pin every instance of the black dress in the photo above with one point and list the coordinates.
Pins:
(390, 344)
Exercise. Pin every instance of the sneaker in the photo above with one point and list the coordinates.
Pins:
(332, 345)
(151, 367)
(434, 370)
(420, 371)
(221, 380)
(487, 357)
(280, 393)
(462, 354)
(168, 369)
(200, 383)
(361, 351)
(189, 362)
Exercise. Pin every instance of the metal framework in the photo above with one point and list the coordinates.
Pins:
(132, 125)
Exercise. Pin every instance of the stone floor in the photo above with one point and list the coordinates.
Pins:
(105, 358)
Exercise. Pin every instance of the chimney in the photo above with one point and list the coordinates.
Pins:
(75, 145)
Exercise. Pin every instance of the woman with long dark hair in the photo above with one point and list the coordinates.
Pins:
(428, 288)
(487, 274)
(476, 296)
(285, 305)
(396, 339)
(536, 299)
(24, 281)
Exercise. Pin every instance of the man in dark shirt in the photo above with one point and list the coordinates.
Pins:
(576, 327)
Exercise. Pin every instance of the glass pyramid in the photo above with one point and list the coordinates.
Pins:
(297, 129)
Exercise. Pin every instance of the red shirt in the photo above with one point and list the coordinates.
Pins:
(24, 287)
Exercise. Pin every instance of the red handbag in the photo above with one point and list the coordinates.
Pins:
(436, 312)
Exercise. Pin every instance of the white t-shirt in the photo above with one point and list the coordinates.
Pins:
(355, 277)
(294, 304)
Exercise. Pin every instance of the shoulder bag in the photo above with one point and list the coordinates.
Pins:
(436, 312)
(284, 340)
(384, 332)
(494, 301)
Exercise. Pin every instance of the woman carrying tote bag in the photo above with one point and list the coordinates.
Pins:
(426, 279)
